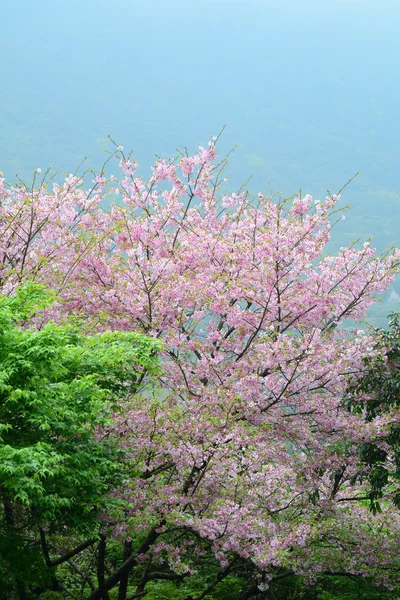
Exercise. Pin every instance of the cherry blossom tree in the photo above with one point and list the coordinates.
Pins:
(39, 226)
(248, 450)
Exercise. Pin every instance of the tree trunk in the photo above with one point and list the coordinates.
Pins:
(100, 568)
(123, 584)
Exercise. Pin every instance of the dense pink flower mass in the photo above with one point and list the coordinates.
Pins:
(247, 443)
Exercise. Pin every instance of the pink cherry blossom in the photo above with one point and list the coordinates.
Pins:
(242, 441)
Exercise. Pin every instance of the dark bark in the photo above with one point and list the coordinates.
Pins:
(123, 584)
(64, 557)
(55, 586)
(100, 568)
(128, 565)
(140, 588)
(219, 577)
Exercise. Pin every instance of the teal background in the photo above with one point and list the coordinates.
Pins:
(309, 91)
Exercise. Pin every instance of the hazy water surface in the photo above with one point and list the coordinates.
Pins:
(308, 90)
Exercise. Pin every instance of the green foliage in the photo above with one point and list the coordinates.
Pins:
(351, 588)
(58, 391)
(377, 393)
(228, 589)
(290, 588)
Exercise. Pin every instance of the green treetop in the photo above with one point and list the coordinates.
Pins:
(59, 390)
